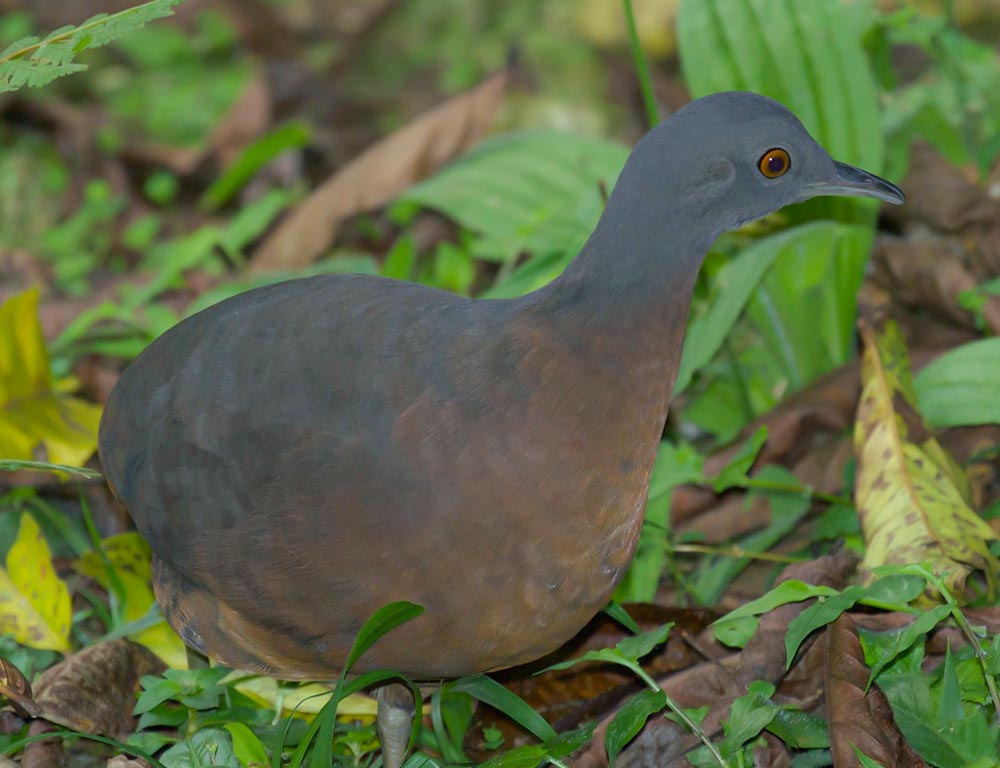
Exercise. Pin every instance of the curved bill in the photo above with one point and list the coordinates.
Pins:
(849, 180)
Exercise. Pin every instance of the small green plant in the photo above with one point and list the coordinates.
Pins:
(34, 62)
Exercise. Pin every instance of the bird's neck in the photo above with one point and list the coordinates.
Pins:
(634, 278)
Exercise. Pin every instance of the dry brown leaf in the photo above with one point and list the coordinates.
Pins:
(930, 273)
(380, 173)
(15, 688)
(94, 690)
(48, 753)
(858, 719)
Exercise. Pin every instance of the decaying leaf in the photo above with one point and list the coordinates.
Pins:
(380, 173)
(859, 717)
(911, 496)
(15, 690)
(37, 421)
(94, 691)
(129, 555)
(35, 605)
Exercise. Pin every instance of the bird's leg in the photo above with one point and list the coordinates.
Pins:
(396, 710)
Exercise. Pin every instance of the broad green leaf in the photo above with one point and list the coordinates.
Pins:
(130, 557)
(910, 496)
(247, 746)
(960, 387)
(806, 55)
(535, 192)
(35, 606)
(34, 415)
(630, 719)
(736, 282)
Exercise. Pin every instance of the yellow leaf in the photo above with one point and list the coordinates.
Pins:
(912, 498)
(35, 606)
(34, 415)
(305, 700)
(130, 557)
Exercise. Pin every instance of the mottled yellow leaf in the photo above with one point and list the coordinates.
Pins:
(35, 606)
(911, 496)
(37, 421)
(130, 557)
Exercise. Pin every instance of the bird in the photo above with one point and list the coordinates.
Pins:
(305, 453)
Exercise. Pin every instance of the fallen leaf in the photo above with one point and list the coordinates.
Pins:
(859, 717)
(302, 700)
(47, 753)
(94, 690)
(380, 173)
(14, 687)
(912, 498)
(131, 558)
(35, 416)
(35, 606)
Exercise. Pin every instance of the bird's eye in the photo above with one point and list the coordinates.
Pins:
(774, 163)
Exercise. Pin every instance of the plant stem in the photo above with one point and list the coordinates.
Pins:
(641, 66)
(672, 705)
(737, 553)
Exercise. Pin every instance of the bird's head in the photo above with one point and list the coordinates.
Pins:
(734, 157)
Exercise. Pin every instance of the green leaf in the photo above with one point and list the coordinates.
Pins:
(635, 647)
(959, 388)
(489, 691)
(254, 157)
(208, 748)
(714, 574)
(883, 648)
(733, 625)
(734, 474)
(735, 283)
(528, 756)
(619, 614)
(824, 611)
(748, 716)
(248, 748)
(630, 719)
(383, 621)
(536, 192)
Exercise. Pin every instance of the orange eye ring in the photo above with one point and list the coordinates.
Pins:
(774, 163)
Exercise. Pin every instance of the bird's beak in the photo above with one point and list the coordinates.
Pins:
(848, 180)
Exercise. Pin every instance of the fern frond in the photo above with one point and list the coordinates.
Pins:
(32, 62)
